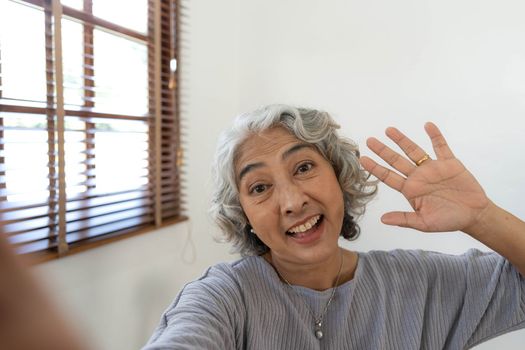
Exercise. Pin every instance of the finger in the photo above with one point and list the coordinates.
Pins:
(404, 219)
(439, 143)
(409, 147)
(393, 158)
(389, 177)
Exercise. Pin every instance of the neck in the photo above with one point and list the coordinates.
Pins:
(318, 276)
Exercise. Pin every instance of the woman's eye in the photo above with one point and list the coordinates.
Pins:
(257, 189)
(303, 168)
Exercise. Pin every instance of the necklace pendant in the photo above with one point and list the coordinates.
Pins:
(319, 334)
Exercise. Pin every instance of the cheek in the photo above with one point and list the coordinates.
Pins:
(251, 212)
(246, 210)
(329, 187)
(335, 195)
(338, 206)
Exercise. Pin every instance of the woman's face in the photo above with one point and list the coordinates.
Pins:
(290, 195)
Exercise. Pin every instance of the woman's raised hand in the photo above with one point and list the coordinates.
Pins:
(445, 196)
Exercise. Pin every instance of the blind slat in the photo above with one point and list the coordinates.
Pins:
(75, 210)
(32, 230)
(92, 128)
(113, 227)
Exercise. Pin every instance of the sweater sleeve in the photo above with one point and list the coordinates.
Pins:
(495, 297)
(482, 294)
(431, 300)
(207, 314)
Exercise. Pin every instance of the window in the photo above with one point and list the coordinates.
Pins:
(89, 128)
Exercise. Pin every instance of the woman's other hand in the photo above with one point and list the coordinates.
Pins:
(28, 319)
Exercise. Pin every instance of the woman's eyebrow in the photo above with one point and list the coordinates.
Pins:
(295, 148)
(249, 168)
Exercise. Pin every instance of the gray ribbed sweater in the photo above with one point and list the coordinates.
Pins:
(397, 300)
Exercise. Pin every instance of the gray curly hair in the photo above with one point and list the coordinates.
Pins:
(308, 125)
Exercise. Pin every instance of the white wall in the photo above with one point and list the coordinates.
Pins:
(378, 63)
(115, 294)
(371, 64)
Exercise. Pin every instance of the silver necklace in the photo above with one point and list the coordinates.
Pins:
(318, 321)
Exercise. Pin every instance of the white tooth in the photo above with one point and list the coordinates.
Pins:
(306, 226)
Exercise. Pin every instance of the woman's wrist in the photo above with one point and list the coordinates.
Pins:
(502, 232)
(481, 229)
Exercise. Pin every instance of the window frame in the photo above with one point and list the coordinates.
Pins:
(163, 119)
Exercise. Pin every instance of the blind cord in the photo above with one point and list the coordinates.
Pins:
(188, 254)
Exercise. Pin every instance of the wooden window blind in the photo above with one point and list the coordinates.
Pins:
(89, 124)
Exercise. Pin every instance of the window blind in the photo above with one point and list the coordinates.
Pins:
(89, 125)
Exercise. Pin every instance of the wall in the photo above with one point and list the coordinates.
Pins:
(378, 63)
(115, 294)
(371, 64)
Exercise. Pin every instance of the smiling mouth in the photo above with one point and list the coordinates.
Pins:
(304, 229)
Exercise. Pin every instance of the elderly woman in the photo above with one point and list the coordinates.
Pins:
(287, 188)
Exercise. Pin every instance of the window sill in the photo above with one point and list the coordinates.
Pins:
(43, 256)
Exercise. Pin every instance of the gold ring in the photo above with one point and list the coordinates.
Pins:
(425, 157)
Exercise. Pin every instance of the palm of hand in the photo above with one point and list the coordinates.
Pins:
(445, 196)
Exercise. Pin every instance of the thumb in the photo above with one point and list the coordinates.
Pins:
(403, 219)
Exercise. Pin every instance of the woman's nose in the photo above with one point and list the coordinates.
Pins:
(292, 199)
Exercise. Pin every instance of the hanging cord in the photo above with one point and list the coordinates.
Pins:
(189, 253)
